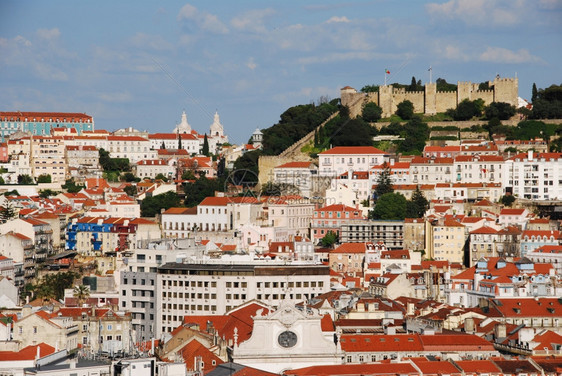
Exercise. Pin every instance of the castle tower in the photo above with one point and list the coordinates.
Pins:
(217, 129)
(463, 91)
(506, 90)
(183, 126)
(385, 100)
(430, 98)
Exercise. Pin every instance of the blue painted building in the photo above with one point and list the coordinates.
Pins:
(41, 123)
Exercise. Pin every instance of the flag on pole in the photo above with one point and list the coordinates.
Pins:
(387, 71)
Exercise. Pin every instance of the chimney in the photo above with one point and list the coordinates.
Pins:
(530, 155)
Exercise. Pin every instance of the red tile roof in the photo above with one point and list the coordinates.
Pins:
(27, 353)
(295, 165)
(356, 369)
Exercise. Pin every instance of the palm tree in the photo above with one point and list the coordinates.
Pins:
(81, 294)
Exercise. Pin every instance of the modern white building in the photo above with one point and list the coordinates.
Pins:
(340, 159)
(534, 176)
(214, 286)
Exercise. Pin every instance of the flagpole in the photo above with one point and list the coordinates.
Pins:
(430, 71)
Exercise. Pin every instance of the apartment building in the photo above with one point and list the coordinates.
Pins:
(534, 176)
(389, 232)
(340, 159)
(216, 286)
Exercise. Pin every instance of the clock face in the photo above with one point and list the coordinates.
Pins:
(287, 339)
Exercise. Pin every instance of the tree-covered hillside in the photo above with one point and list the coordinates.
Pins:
(295, 123)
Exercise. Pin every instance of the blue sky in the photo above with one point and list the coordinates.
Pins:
(141, 63)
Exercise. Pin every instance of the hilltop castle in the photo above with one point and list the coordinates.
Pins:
(430, 101)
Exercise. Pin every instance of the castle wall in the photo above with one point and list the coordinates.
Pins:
(445, 100)
(431, 101)
(486, 95)
(418, 99)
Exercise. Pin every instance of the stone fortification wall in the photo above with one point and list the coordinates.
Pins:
(445, 100)
(486, 95)
(266, 163)
(430, 101)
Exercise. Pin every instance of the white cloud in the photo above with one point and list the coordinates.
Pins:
(337, 57)
(187, 12)
(205, 21)
(49, 72)
(22, 41)
(48, 34)
(481, 12)
(503, 55)
(251, 63)
(154, 42)
(337, 19)
(253, 20)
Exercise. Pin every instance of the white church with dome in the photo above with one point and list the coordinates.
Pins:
(215, 137)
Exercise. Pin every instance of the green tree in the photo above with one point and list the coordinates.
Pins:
(71, 187)
(350, 132)
(246, 168)
(370, 89)
(535, 93)
(163, 146)
(415, 133)
(371, 112)
(205, 149)
(25, 180)
(46, 193)
(329, 239)
(417, 205)
(443, 85)
(484, 86)
(128, 177)
(413, 85)
(405, 110)
(196, 191)
(389, 206)
(188, 175)
(161, 176)
(295, 123)
(344, 112)
(151, 206)
(113, 164)
(44, 178)
(8, 212)
(548, 104)
(52, 286)
(507, 200)
(466, 110)
(500, 110)
(13, 192)
(130, 190)
(384, 182)
(179, 141)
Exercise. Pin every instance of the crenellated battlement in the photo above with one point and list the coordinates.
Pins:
(431, 101)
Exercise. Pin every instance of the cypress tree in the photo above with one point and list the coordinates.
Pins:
(534, 93)
(384, 182)
(205, 150)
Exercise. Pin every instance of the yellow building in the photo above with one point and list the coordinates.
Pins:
(445, 239)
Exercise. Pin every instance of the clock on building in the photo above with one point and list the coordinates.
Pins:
(287, 339)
